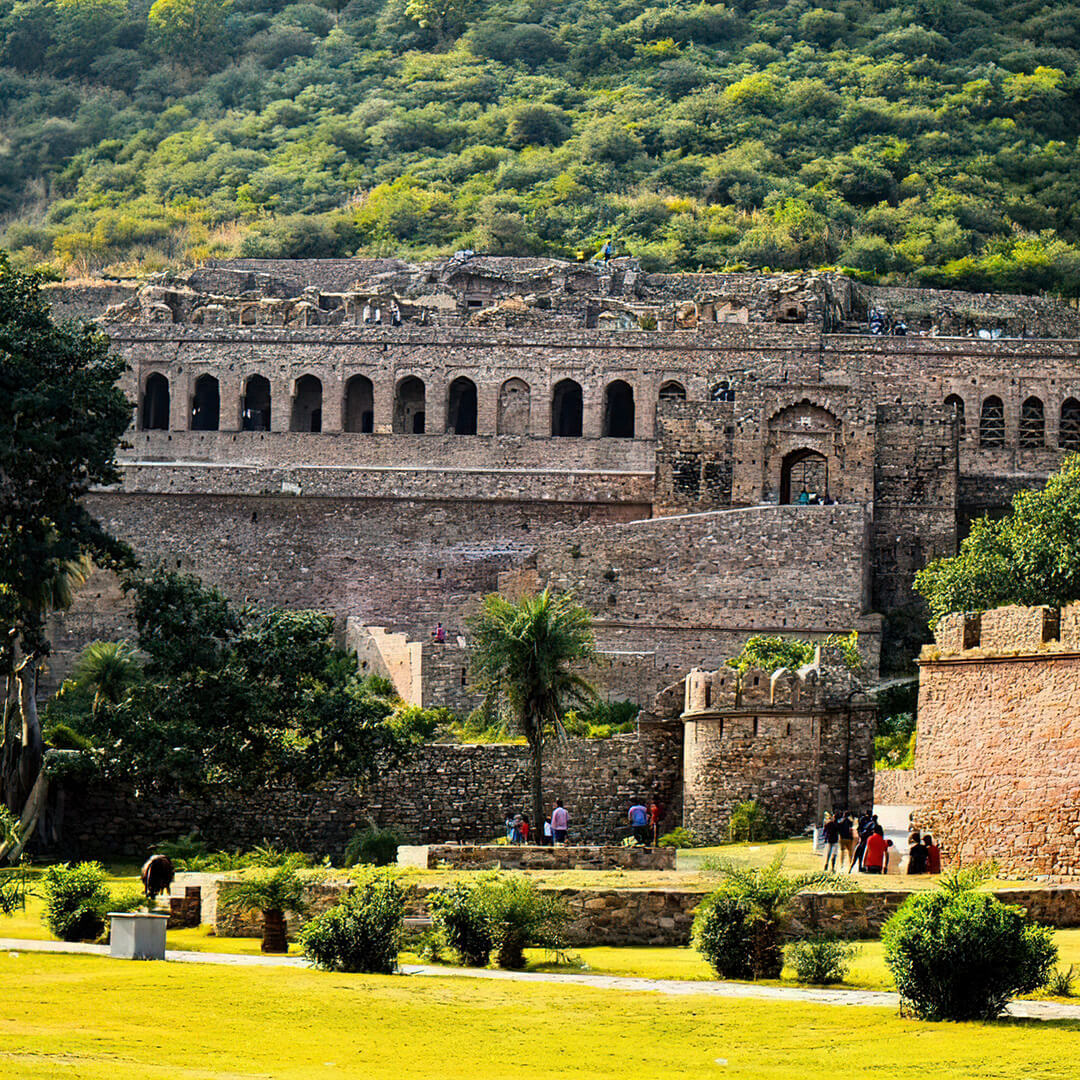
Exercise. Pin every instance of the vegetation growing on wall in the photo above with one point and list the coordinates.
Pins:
(772, 653)
(926, 141)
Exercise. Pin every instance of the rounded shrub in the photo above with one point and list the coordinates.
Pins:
(960, 955)
(372, 847)
(735, 938)
(361, 933)
(821, 961)
(76, 901)
(461, 917)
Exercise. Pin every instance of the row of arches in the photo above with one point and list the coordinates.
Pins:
(410, 406)
(1032, 431)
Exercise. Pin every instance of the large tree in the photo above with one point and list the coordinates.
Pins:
(1031, 556)
(61, 419)
(524, 654)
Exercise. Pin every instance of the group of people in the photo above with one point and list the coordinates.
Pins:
(373, 315)
(644, 822)
(863, 846)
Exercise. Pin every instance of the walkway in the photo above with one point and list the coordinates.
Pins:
(1028, 1010)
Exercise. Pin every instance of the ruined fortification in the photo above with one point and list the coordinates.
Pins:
(700, 457)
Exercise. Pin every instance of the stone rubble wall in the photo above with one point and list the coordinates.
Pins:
(895, 787)
(532, 857)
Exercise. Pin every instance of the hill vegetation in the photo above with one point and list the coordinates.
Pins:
(933, 141)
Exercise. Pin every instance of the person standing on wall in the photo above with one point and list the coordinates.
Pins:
(560, 821)
(638, 817)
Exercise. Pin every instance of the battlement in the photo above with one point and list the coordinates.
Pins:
(727, 689)
(1006, 631)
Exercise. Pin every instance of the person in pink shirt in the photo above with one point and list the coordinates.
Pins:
(560, 819)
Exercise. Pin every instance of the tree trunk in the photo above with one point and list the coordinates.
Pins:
(536, 830)
(275, 937)
(25, 788)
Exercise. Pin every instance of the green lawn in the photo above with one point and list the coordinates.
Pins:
(99, 1019)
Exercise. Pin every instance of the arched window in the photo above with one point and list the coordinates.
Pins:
(307, 405)
(957, 402)
(1069, 430)
(722, 392)
(409, 407)
(255, 410)
(619, 410)
(1032, 424)
(673, 391)
(155, 408)
(566, 408)
(206, 404)
(992, 423)
(514, 402)
(461, 407)
(359, 404)
(804, 477)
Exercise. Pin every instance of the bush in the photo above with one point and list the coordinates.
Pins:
(737, 928)
(361, 933)
(372, 847)
(1061, 982)
(76, 901)
(678, 838)
(272, 892)
(820, 960)
(749, 822)
(956, 954)
(504, 913)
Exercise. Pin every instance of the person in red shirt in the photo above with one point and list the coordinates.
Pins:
(655, 814)
(524, 829)
(933, 855)
(877, 847)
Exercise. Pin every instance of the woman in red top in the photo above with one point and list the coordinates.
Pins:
(523, 828)
(654, 821)
(933, 856)
(873, 860)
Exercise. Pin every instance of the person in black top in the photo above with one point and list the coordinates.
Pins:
(831, 836)
(916, 855)
(847, 838)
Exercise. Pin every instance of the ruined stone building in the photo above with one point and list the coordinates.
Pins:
(699, 457)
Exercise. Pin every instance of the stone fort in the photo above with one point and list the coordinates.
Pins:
(699, 457)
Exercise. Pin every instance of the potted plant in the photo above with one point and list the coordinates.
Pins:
(271, 892)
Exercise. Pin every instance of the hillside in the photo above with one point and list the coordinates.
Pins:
(933, 142)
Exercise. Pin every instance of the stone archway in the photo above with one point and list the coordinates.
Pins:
(804, 471)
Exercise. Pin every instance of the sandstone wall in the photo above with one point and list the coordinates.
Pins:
(442, 792)
(533, 857)
(895, 787)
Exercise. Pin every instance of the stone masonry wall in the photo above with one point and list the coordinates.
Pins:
(442, 792)
(895, 787)
(998, 753)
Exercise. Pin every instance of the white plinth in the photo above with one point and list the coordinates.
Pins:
(137, 935)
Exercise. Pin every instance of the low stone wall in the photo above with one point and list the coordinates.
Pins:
(665, 916)
(526, 857)
(894, 787)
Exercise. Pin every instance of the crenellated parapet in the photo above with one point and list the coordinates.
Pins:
(727, 689)
(1006, 631)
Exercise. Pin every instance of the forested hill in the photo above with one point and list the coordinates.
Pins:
(933, 141)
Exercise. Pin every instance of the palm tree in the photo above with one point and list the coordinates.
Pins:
(271, 892)
(522, 657)
(109, 668)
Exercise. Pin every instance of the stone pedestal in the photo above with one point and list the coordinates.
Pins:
(137, 935)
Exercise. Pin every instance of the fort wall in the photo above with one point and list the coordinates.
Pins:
(998, 750)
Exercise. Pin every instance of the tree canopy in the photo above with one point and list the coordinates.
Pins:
(1030, 556)
(919, 141)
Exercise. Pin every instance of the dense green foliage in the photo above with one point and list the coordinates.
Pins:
(894, 742)
(77, 900)
(957, 954)
(361, 933)
(737, 928)
(372, 847)
(501, 912)
(821, 961)
(773, 653)
(749, 822)
(1031, 556)
(251, 697)
(928, 140)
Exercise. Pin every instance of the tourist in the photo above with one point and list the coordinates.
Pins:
(933, 855)
(523, 828)
(655, 814)
(560, 821)
(367, 313)
(378, 315)
(638, 817)
(875, 858)
(438, 635)
(831, 835)
(516, 834)
(549, 836)
(916, 854)
(510, 830)
(847, 838)
(804, 497)
(395, 314)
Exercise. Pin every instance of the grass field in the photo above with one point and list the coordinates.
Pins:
(96, 1019)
